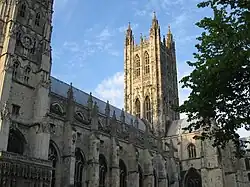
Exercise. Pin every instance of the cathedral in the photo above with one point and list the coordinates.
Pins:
(55, 135)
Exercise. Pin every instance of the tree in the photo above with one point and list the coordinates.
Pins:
(220, 80)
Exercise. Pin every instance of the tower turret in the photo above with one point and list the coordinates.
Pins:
(148, 87)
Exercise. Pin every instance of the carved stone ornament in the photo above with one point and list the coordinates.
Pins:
(5, 112)
(43, 127)
(27, 41)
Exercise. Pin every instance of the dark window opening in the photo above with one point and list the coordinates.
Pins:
(15, 142)
(102, 171)
(54, 158)
(22, 10)
(15, 109)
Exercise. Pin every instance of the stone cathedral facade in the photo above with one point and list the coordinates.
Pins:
(55, 135)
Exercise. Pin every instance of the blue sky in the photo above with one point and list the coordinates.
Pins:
(88, 39)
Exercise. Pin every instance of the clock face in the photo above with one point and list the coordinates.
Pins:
(27, 42)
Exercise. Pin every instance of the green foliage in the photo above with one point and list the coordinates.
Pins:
(219, 101)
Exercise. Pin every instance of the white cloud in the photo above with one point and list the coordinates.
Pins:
(111, 89)
(123, 28)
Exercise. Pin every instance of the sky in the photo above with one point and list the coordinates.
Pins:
(88, 40)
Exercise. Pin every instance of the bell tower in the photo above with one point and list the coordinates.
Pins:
(150, 76)
(25, 62)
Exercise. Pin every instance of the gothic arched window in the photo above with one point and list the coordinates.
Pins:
(27, 74)
(155, 179)
(16, 142)
(146, 59)
(191, 151)
(37, 20)
(79, 165)
(15, 69)
(138, 108)
(53, 157)
(137, 66)
(147, 109)
(123, 174)
(102, 171)
(140, 176)
(57, 109)
(22, 10)
(192, 178)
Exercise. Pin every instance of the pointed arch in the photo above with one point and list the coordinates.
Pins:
(123, 173)
(16, 66)
(137, 66)
(148, 109)
(138, 108)
(191, 150)
(16, 142)
(79, 168)
(22, 10)
(54, 158)
(102, 170)
(192, 178)
(37, 19)
(146, 64)
(140, 176)
(27, 71)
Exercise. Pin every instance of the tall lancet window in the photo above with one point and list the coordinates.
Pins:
(140, 176)
(137, 69)
(146, 59)
(79, 167)
(138, 108)
(102, 171)
(147, 109)
(53, 156)
(123, 174)
(191, 151)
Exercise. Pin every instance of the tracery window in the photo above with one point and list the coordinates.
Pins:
(15, 142)
(15, 69)
(102, 171)
(191, 151)
(155, 179)
(147, 109)
(22, 10)
(27, 74)
(53, 157)
(146, 59)
(192, 178)
(137, 66)
(140, 176)
(56, 108)
(123, 174)
(37, 20)
(138, 108)
(79, 166)
(247, 163)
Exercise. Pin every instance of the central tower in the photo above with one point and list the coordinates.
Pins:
(151, 87)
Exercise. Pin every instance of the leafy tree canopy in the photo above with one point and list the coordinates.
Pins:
(219, 101)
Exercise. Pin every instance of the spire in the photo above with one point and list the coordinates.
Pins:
(70, 93)
(122, 116)
(169, 38)
(107, 109)
(129, 35)
(154, 20)
(90, 101)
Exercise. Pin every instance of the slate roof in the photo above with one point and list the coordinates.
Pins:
(60, 88)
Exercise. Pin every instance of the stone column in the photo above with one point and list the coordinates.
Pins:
(4, 127)
(41, 140)
(133, 179)
(115, 170)
(148, 169)
(69, 156)
(93, 161)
